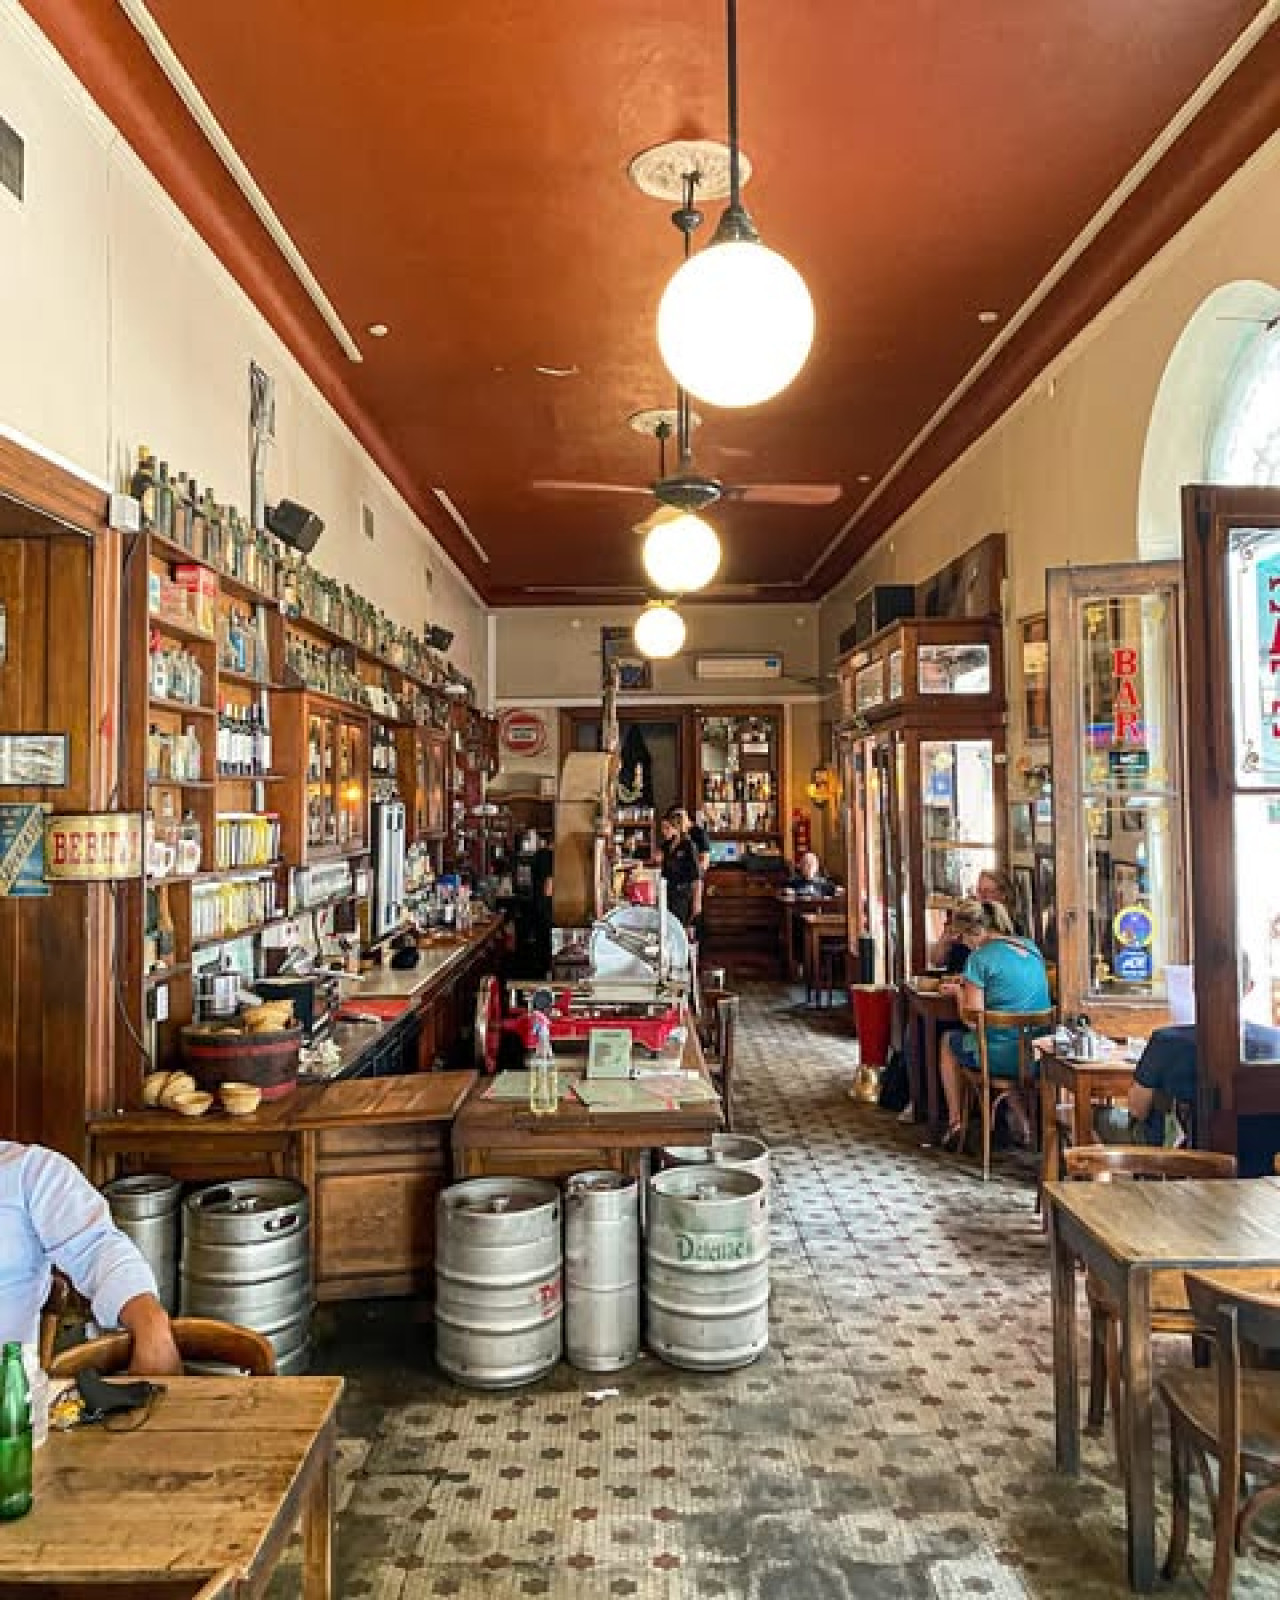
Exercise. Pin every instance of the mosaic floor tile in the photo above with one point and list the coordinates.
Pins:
(896, 1441)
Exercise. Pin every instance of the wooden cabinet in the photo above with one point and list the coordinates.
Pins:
(922, 745)
(741, 766)
(1118, 899)
(423, 775)
(742, 919)
(325, 803)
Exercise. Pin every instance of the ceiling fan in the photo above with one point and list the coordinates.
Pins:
(687, 489)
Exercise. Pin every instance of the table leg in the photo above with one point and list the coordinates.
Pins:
(1140, 1482)
(317, 1527)
(1066, 1391)
(1050, 1136)
(1081, 1113)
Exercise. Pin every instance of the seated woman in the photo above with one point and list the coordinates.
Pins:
(995, 887)
(1003, 973)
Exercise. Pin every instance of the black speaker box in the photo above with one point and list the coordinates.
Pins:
(876, 608)
(295, 526)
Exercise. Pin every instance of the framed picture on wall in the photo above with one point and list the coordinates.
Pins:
(634, 670)
(1131, 818)
(1034, 633)
(1042, 823)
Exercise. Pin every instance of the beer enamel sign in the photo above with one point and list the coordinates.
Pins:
(105, 847)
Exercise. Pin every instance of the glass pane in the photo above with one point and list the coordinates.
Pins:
(1132, 895)
(895, 674)
(1128, 684)
(1257, 819)
(1253, 603)
(902, 851)
(958, 821)
(869, 690)
(954, 668)
(873, 861)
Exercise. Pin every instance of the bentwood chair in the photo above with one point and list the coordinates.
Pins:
(717, 1028)
(51, 1315)
(199, 1340)
(1170, 1312)
(1226, 1414)
(978, 1083)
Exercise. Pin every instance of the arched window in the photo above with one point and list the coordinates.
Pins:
(1244, 446)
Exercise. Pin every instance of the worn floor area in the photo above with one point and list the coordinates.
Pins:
(896, 1441)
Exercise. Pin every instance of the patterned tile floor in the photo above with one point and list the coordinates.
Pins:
(895, 1442)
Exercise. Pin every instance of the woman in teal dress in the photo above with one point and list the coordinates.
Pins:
(1003, 973)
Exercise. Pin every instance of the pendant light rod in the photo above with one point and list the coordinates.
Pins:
(735, 225)
(686, 220)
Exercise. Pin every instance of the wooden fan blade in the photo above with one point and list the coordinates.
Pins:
(784, 494)
(569, 486)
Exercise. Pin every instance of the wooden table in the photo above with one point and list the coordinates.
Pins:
(794, 904)
(217, 1477)
(504, 1138)
(1124, 1232)
(928, 1010)
(1089, 1083)
(818, 925)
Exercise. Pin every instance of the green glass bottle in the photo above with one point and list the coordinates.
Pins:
(15, 1436)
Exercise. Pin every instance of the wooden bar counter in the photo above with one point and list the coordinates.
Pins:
(373, 1154)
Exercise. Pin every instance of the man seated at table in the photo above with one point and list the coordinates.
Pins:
(1165, 1076)
(52, 1216)
(808, 878)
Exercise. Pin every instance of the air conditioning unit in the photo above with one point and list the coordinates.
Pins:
(716, 669)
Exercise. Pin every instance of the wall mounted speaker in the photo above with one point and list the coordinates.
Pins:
(439, 638)
(295, 526)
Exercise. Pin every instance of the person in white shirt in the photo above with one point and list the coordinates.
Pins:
(52, 1216)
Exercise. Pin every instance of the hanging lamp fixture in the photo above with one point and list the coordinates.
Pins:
(659, 630)
(735, 324)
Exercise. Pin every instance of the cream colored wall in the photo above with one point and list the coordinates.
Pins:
(548, 658)
(118, 326)
(1060, 473)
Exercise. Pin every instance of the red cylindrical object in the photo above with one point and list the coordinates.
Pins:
(873, 1019)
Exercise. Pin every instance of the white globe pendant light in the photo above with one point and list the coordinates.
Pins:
(681, 552)
(735, 323)
(659, 630)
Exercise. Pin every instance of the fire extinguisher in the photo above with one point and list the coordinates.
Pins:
(800, 834)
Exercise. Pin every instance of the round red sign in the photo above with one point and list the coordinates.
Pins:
(523, 733)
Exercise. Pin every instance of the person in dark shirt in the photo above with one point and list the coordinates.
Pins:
(808, 878)
(679, 861)
(1166, 1072)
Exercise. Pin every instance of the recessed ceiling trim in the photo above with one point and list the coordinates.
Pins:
(202, 115)
(1142, 169)
(460, 522)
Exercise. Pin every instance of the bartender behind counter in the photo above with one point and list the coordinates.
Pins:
(680, 868)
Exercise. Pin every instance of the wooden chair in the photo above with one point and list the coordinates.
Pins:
(717, 1028)
(1228, 1414)
(51, 1315)
(199, 1340)
(1170, 1312)
(978, 1082)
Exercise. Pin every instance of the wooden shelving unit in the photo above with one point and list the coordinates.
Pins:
(238, 647)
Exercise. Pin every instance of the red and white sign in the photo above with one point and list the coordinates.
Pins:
(523, 733)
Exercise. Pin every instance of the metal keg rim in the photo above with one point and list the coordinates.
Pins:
(728, 1147)
(243, 1197)
(710, 1182)
(602, 1181)
(492, 1197)
(142, 1183)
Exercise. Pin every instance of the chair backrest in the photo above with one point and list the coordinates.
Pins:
(1105, 1162)
(199, 1340)
(1246, 1325)
(726, 1029)
(1026, 1024)
(51, 1314)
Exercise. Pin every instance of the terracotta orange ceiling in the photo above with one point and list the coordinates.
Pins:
(458, 172)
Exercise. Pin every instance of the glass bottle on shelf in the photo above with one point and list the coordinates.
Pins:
(190, 842)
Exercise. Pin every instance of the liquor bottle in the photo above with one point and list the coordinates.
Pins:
(164, 502)
(15, 1435)
(182, 511)
(142, 486)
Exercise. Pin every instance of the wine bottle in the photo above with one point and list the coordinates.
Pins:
(15, 1435)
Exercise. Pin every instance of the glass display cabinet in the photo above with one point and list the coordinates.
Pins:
(1121, 903)
(1231, 540)
(740, 762)
(923, 758)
